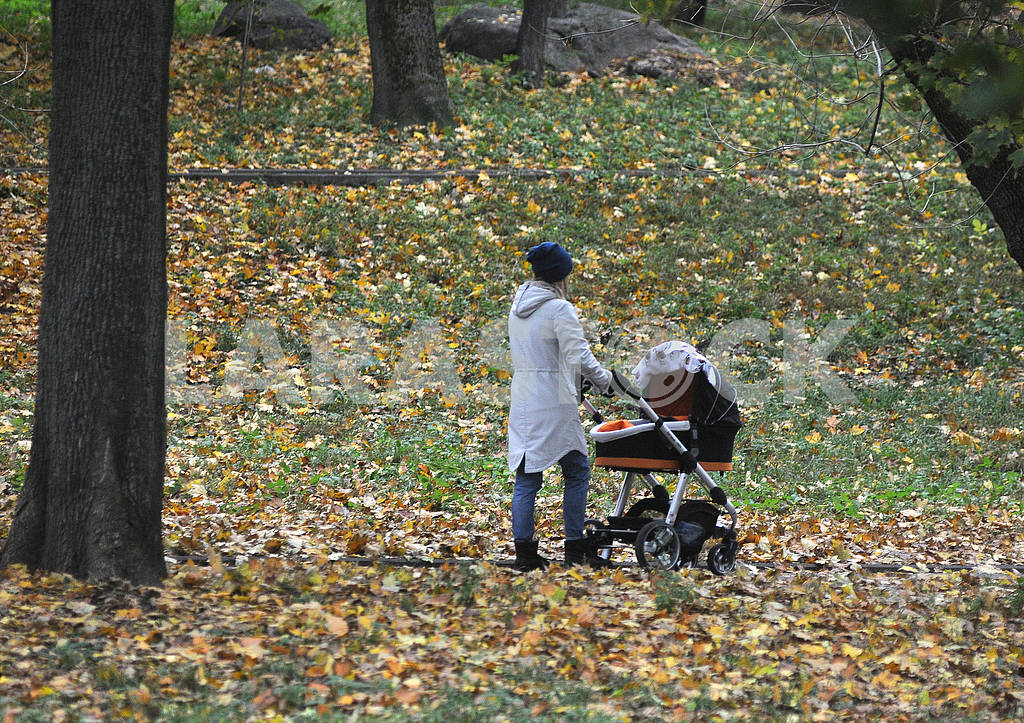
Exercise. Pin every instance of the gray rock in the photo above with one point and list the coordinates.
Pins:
(483, 32)
(275, 24)
(590, 37)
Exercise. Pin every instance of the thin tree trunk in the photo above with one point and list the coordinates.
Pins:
(559, 8)
(409, 85)
(92, 498)
(533, 31)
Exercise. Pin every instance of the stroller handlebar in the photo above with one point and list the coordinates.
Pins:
(594, 414)
(621, 386)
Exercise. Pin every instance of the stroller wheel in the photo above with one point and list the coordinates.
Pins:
(721, 559)
(658, 546)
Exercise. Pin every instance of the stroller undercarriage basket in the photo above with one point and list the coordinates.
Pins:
(696, 523)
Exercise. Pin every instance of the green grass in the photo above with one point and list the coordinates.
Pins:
(933, 355)
(192, 18)
(937, 348)
(15, 414)
(1015, 599)
(24, 18)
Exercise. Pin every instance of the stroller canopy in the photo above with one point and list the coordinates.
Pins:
(677, 380)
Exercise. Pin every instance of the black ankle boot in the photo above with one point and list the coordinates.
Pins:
(527, 558)
(581, 552)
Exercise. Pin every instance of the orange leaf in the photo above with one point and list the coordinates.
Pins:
(406, 696)
(337, 625)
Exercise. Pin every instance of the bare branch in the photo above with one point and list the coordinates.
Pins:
(9, 80)
(569, 38)
(881, 95)
(16, 73)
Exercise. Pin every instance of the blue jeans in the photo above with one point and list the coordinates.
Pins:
(576, 471)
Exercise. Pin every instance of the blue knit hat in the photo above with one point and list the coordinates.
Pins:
(550, 261)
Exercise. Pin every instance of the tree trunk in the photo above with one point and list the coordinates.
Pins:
(907, 37)
(409, 85)
(533, 31)
(559, 8)
(1000, 185)
(93, 493)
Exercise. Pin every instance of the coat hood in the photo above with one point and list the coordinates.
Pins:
(531, 296)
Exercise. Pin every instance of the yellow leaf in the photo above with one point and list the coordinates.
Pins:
(886, 679)
(1004, 433)
(966, 439)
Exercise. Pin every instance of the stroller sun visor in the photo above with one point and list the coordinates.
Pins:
(673, 358)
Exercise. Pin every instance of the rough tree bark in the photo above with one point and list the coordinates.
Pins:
(909, 40)
(1000, 185)
(409, 85)
(533, 31)
(92, 497)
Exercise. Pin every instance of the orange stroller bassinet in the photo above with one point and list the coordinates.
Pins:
(691, 421)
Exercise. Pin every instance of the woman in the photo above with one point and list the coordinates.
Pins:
(549, 355)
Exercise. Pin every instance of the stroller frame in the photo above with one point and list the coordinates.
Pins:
(657, 542)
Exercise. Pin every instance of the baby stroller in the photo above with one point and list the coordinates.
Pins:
(690, 422)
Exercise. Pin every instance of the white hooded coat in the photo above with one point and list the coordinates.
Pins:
(549, 353)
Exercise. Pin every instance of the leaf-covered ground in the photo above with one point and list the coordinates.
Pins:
(924, 468)
(326, 640)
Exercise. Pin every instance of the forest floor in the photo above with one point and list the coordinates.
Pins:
(368, 422)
